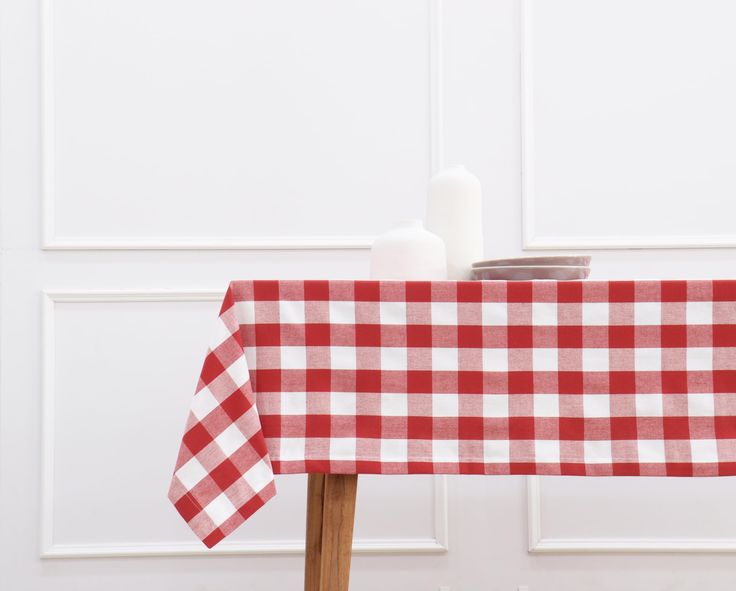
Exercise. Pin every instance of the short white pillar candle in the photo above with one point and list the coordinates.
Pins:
(408, 252)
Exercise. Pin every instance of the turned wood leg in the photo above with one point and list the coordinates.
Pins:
(313, 554)
(329, 540)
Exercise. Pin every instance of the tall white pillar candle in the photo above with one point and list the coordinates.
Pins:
(454, 213)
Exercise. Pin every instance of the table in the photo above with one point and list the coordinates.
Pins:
(338, 378)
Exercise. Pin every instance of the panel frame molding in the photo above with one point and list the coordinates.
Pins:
(50, 240)
(531, 240)
(437, 544)
(538, 543)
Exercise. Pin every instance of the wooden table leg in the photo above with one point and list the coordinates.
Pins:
(313, 554)
(330, 518)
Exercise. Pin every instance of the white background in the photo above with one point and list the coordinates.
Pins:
(152, 151)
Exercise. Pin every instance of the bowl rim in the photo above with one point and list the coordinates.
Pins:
(528, 267)
(534, 261)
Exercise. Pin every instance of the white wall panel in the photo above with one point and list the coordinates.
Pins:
(628, 123)
(111, 435)
(631, 515)
(233, 124)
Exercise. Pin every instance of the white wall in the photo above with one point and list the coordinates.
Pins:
(152, 151)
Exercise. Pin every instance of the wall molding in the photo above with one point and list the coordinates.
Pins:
(50, 240)
(436, 88)
(531, 240)
(539, 544)
(438, 543)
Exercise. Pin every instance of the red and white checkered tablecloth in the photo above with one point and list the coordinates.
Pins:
(457, 377)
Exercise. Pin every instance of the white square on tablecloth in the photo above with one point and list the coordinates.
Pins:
(238, 372)
(203, 403)
(258, 476)
(394, 358)
(444, 313)
(647, 313)
(495, 405)
(546, 405)
(293, 403)
(595, 314)
(699, 312)
(701, 405)
(651, 451)
(704, 450)
(292, 448)
(699, 358)
(343, 357)
(444, 359)
(544, 314)
(596, 405)
(342, 312)
(445, 405)
(293, 357)
(392, 312)
(497, 451)
(394, 404)
(649, 405)
(191, 473)
(291, 312)
(394, 450)
(647, 359)
(494, 313)
(495, 359)
(342, 403)
(545, 359)
(220, 509)
(245, 311)
(595, 359)
(342, 448)
(597, 452)
(547, 451)
(230, 440)
(250, 356)
(445, 450)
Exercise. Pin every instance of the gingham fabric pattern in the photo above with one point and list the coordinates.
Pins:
(630, 378)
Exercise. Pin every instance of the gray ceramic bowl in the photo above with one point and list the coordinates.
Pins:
(557, 261)
(518, 273)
